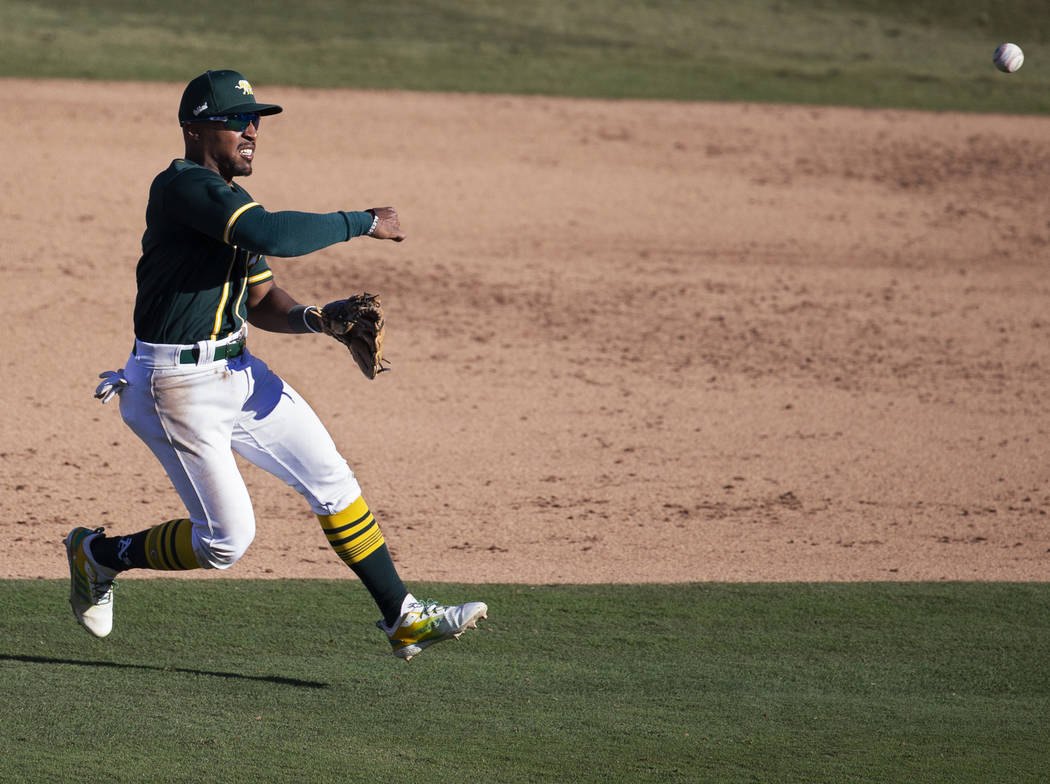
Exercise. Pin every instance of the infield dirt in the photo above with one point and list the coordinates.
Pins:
(631, 341)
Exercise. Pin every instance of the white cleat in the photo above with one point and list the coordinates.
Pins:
(427, 622)
(90, 585)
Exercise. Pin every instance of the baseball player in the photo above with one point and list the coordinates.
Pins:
(195, 394)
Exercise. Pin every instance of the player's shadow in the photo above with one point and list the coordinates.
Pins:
(125, 666)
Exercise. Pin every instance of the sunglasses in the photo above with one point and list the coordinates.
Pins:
(236, 122)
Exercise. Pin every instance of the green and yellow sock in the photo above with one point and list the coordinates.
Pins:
(355, 536)
(167, 547)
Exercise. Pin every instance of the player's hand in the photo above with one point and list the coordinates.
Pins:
(113, 384)
(389, 226)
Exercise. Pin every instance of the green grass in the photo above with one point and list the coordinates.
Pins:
(926, 54)
(278, 681)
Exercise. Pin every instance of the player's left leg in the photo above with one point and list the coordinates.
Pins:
(282, 434)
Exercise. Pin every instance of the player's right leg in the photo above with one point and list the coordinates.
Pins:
(95, 560)
(185, 418)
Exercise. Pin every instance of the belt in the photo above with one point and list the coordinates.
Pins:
(189, 356)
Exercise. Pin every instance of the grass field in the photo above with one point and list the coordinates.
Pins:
(931, 54)
(245, 681)
(275, 681)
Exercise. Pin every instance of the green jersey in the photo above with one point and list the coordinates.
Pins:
(205, 246)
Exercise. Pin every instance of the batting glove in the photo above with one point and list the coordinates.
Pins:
(113, 384)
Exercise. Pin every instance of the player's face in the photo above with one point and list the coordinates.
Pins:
(230, 153)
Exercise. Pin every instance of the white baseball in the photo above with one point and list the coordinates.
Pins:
(1008, 58)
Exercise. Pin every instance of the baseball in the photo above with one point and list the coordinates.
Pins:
(1008, 58)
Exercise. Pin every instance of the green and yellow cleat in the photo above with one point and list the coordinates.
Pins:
(427, 622)
(90, 585)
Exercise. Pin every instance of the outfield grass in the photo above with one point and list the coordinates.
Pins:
(279, 681)
(929, 54)
(276, 681)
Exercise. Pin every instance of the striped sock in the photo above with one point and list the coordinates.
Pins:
(355, 536)
(353, 533)
(167, 546)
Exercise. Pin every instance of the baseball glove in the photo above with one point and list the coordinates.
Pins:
(357, 323)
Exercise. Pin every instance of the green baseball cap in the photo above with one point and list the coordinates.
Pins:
(218, 94)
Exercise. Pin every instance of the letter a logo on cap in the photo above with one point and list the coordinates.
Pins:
(244, 87)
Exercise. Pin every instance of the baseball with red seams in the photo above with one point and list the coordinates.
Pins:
(1008, 58)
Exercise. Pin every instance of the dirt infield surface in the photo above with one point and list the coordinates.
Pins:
(631, 341)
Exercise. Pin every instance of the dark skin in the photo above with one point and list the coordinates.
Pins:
(231, 154)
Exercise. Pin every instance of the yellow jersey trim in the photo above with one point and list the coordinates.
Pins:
(223, 299)
(235, 311)
(233, 219)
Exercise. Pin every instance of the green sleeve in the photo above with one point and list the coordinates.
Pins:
(290, 233)
(202, 200)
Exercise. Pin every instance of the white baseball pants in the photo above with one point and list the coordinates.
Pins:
(195, 416)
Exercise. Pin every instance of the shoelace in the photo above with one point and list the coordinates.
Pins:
(428, 607)
(102, 593)
(424, 609)
(102, 590)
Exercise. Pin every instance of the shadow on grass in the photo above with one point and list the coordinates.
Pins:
(86, 663)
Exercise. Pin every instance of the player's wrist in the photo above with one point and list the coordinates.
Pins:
(360, 224)
(304, 318)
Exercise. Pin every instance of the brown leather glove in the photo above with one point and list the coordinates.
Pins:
(357, 322)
